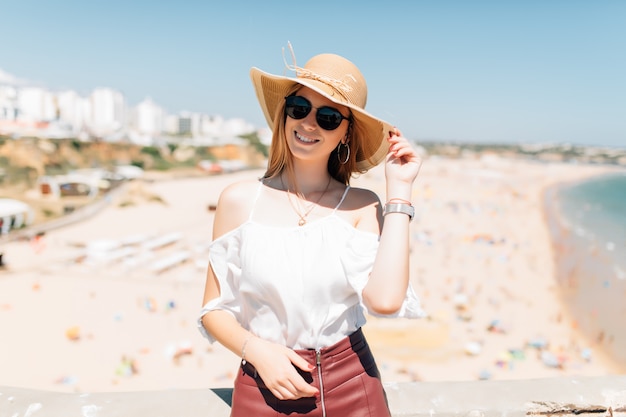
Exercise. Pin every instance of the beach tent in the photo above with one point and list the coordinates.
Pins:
(129, 172)
(14, 214)
(70, 185)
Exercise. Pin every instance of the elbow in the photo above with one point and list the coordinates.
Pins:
(384, 306)
(204, 324)
(387, 309)
(209, 320)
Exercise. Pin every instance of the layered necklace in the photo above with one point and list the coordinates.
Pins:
(303, 214)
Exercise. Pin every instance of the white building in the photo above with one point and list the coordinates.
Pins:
(171, 124)
(149, 118)
(212, 126)
(36, 104)
(72, 109)
(8, 103)
(217, 126)
(107, 111)
(189, 123)
(236, 127)
(34, 111)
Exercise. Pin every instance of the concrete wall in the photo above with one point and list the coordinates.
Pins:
(602, 396)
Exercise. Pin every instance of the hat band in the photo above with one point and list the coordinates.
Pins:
(340, 86)
(337, 85)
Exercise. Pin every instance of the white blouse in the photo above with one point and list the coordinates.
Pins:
(297, 286)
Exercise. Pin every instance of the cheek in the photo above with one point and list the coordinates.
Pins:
(335, 139)
(339, 134)
(287, 131)
(286, 122)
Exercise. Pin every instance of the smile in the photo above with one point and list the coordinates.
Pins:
(305, 139)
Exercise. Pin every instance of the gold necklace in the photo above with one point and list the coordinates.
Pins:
(303, 217)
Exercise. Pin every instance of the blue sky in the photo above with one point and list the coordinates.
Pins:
(488, 71)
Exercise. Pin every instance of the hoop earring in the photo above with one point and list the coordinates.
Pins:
(343, 162)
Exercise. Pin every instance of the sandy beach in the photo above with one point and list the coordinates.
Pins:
(110, 303)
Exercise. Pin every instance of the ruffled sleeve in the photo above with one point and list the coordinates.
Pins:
(225, 261)
(358, 261)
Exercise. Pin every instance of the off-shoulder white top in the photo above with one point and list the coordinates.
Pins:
(297, 286)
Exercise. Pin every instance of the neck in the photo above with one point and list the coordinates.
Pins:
(307, 179)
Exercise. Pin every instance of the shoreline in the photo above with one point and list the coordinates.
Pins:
(480, 263)
(583, 271)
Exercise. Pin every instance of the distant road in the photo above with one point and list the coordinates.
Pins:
(76, 216)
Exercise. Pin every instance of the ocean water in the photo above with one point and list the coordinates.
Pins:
(587, 221)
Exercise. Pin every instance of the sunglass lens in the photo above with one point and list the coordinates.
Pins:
(297, 107)
(328, 118)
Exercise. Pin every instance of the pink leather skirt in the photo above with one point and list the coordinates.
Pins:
(350, 385)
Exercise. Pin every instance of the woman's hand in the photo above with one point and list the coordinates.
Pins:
(403, 163)
(275, 365)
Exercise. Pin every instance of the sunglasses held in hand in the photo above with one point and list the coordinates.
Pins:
(328, 118)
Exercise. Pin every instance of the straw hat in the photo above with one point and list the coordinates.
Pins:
(340, 81)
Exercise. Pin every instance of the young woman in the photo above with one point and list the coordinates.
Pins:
(299, 256)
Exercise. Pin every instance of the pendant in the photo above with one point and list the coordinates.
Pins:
(301, 222)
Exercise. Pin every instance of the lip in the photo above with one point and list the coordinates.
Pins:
(305, 139)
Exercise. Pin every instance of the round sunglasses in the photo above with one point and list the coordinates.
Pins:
(328, 118)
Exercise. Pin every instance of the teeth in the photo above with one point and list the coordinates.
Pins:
(305, 139)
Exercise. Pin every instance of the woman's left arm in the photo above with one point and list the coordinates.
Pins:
(389, 279)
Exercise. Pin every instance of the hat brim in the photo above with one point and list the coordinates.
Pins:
(271, 89)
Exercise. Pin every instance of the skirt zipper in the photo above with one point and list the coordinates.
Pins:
(318, 360)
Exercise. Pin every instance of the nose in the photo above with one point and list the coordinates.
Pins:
(310, 121)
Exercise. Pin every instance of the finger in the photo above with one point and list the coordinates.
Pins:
(407, 158)
(395, 146)
(398, 141)
(400, 150)
(292, 390)
(404, 151)
(300, 362)
(393, 138)
(395, 132)
(304, 388)
(282, 393)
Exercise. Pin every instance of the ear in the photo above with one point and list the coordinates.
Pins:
(346, 138)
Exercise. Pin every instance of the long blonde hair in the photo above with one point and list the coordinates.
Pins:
(281, 158)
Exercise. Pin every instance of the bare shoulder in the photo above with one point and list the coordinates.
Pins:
(359, 198)
(239, 192)
(363, 206)
(234, 205)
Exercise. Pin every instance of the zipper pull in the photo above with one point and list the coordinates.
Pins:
(318, 357)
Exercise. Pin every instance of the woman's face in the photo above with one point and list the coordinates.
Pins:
(305, 138)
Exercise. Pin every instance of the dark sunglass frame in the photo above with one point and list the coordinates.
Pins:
(328, 118)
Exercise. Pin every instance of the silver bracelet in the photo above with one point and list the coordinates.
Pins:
(243, 350)
(407, 209)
